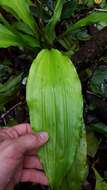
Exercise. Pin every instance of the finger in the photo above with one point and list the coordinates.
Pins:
(16, 131)
(17, 148)
(19, 130)
(34, 176)
(29, 142)
(23, 129)
(32, 162)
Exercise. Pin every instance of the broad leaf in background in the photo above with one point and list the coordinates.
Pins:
(68, 9)
(48, 3)
(43, 10)
(50, 27)
(98, 108)
(9, 90)
(82, 35)
(93, 18)
(92, 144)
(100, 183)
(5, 72)
(8, 38)
(99, 127)
(98, 82)
(89, 3)
(21, 8)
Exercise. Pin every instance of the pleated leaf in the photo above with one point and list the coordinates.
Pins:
(55, 105)
(78, 172)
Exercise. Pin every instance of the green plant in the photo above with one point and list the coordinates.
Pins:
(40, 32)
(36, 31)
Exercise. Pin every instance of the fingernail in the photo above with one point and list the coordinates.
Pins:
(44, 136)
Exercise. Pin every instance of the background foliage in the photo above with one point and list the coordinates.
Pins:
(79, 29)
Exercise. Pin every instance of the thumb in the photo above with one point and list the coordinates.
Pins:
(31, 141)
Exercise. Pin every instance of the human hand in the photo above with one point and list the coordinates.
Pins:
(18, 159)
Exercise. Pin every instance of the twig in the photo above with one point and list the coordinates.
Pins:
(100, 10)
(8, 111)
(93, 94)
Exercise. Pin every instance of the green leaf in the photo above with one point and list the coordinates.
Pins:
(100, 183)
(68, 9)
(9, 89)
(5, 72)
(95, 17)
(99, 127)
(92, 144)
(80, 163)
(89, 3)
(22, 27)
(82, 35)
(50, 27)
(29, 40)
(70, 181)
(98, 82)
(7, 37)
(48, 4)
(21, 8)
(4, 21)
